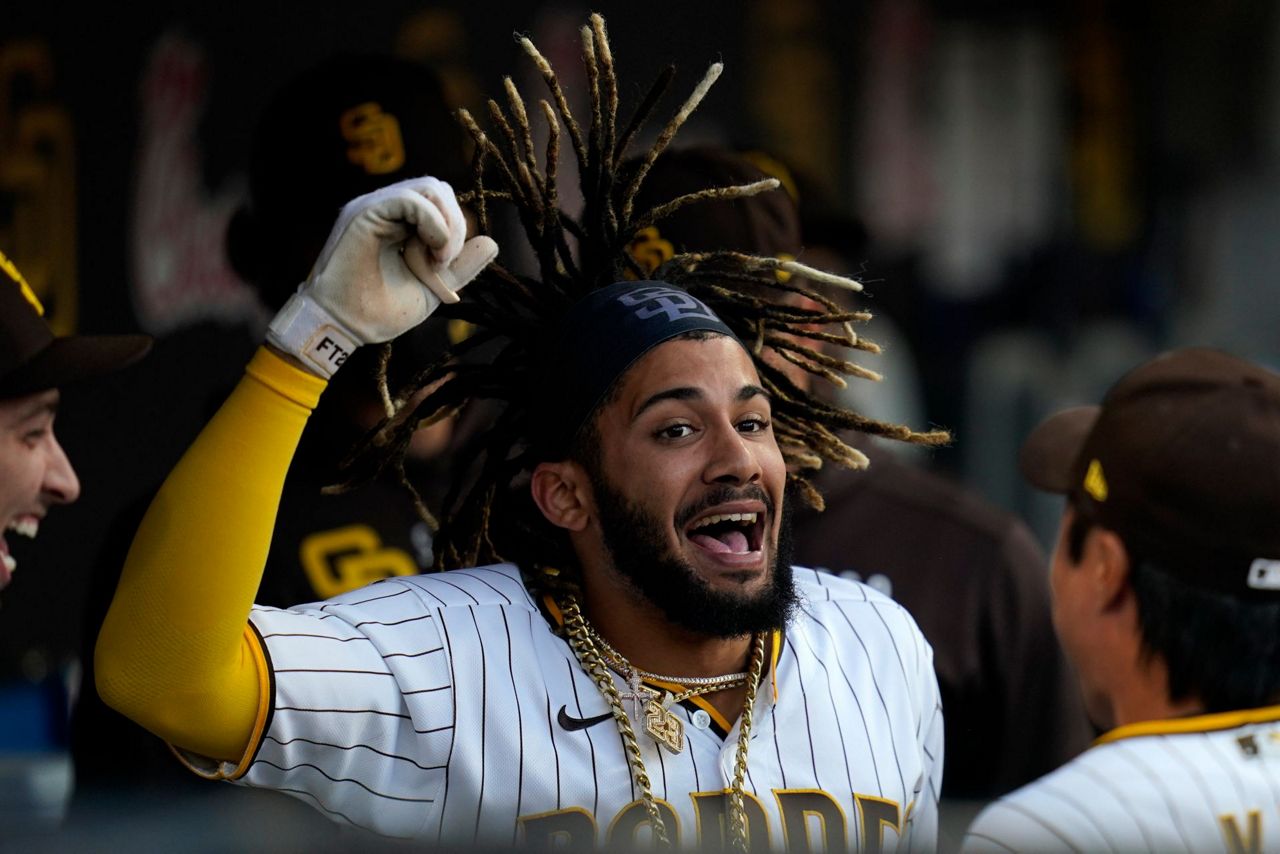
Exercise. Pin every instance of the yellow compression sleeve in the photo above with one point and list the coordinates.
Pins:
(175, 653)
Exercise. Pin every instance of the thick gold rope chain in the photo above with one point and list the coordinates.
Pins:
(584, 647)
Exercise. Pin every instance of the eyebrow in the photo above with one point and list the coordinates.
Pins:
(690, 393)
(36, 408)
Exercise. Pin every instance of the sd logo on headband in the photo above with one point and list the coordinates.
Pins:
(676, 305)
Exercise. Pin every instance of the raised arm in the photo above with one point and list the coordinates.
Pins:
(176, 653)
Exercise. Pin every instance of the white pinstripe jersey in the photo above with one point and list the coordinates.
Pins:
(445, 707)
(1210, 783)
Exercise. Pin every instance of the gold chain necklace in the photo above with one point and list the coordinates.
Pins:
(584, 646)
(653, 705)
(619, 663)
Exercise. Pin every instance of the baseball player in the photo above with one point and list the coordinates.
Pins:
(631, 657)
(35, 473)
(971, 575)
(1166, 594)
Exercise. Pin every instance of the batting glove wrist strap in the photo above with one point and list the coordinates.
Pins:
(305, 330)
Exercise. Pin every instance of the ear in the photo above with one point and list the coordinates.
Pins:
(1107, 562)
(562, 493)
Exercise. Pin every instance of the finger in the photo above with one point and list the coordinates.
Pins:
(427, 271)
(477, 253)
(406, 206)
(442, 196)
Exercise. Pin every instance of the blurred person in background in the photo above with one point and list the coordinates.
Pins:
(35, 474)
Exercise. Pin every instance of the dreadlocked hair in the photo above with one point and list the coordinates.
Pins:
(488, 514)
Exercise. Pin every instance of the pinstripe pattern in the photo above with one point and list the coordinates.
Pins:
(426, 707)
(1160, 792)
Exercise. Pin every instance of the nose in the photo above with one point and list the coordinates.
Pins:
(733, 459)
(61, 486)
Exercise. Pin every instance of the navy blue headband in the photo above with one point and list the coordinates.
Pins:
(606, 332)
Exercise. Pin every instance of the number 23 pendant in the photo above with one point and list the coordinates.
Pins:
(663, 726)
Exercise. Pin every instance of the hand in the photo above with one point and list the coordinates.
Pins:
(393, 256)
(363, 275)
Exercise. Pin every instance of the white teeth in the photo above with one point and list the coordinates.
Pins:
(749, 518)
(25, 527)
(9, 563)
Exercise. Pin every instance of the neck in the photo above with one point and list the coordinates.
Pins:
(644, 636)
(1143, 695)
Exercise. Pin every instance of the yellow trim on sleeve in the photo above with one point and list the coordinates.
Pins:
(216, 769)
(254, 645)
(1198, 723)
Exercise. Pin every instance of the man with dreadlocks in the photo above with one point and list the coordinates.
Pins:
(646, 665)
(971, 575)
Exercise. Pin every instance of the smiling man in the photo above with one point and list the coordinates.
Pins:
(674, 491)
(35, 474)
(621, 651)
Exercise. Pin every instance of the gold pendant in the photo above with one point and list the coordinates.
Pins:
(663, 726)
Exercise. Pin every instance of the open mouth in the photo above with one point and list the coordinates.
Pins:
(23, 526)
(728, 533)
(7, 563)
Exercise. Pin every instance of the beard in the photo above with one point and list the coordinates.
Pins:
(636, 541)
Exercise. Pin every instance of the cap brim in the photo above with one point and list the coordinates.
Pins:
(1048, 456)
(74, 358)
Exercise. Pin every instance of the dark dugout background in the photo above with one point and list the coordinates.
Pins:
(124, 131)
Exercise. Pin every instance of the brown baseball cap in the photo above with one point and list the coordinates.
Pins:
(1182, 460)
(32, 359)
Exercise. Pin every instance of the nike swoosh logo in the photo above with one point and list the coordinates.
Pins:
(571, 723)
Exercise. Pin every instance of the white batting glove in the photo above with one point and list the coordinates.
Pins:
(393, 256)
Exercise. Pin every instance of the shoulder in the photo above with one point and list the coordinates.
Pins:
(822, 590)
(1073, 808)
(500, 585)
(839, 606)
(394, 614)
(1022, 821)
(846, 626)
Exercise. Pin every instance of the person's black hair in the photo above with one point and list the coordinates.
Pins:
(1219, 649)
